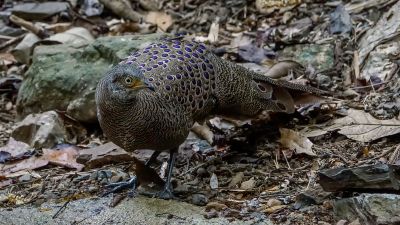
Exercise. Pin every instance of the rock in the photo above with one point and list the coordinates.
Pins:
(115, 178)
(81, 178)
(3, 198)
(323, 81)
(369, 209)
(215, 205)
(369, 178)
(321, 57)
(201, 172)
(25, 178)
(94, 175)
(311, 197)
(274, 209)
(273, 202)
(65, 77)
(102, 155)
(199, 199)
(42, 130)
(104, 174)
(92, 189)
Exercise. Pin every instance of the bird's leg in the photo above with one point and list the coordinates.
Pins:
(132, 183)
(152, 158)
(166, 193)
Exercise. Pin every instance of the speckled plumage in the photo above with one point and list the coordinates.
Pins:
(190, 84)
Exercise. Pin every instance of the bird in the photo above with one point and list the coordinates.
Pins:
(152, 98)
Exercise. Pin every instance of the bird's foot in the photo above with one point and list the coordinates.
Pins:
(166, 193)
(119, 186)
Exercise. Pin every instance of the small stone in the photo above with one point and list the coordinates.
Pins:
(211, 169)
(199, 199)
(216, 206)
(323, 223)
(104, 181)
(212, 214)
(105, 174)
(3, 198)
(94, 175)
(25, 178)
(274, 209)
(92, 189)
(81, 178)
(324, 81)
(201, 172)
(115, 178)
(273, 202)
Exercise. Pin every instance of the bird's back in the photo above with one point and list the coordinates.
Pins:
(180, 71)
(189, 75)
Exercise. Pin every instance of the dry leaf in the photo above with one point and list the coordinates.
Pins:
(361, 126)
(26, 164)
(214, 30)
(274, 209)
(296, 141)
(65, 157)
(163, 20)
(204, 132)
(14, 148)
(249, 184)
(236, 179)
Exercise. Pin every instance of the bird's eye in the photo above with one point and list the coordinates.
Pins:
(128, 80)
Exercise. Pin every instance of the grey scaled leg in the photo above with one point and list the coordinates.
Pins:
(166, 193)
(132, 183)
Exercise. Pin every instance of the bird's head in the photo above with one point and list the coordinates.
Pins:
(123, 82)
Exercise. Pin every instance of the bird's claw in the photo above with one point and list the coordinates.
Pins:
(166, 194)
(119, 186)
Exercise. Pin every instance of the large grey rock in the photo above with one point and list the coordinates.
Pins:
(369, 209)
(64, 77)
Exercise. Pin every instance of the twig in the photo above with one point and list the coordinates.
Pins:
(12, 41)
(62, 208)
(287, 162)
(40, 32)
(384, 153)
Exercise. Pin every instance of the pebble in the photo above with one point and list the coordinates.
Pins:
(211, 169)
(104, 174)
(273, 202)
(92, 189)
(201, 172)
(82, 177)
(116, 178)
(94, 175)
(199, 199)
(25, 178)
(104, 181)
(3, 198)
(216, 206)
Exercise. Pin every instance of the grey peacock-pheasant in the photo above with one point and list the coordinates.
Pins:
(153, 97)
